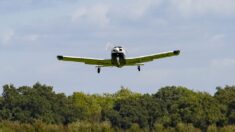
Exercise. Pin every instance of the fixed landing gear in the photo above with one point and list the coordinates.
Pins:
(98, 69)
(138, 67)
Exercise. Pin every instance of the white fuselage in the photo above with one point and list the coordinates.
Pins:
(118, 55)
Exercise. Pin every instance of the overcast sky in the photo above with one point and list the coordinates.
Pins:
(34, 32)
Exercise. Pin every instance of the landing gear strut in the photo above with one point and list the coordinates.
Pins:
(138, 67)
(98, 69)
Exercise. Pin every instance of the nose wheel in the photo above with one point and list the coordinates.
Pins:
(138, 67)
(98, 70)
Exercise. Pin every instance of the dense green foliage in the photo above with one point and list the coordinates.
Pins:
(170, 109)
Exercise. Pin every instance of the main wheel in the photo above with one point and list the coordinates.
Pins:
(98, 69)
(138, 68)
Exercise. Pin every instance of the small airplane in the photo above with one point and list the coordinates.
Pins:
(118, 59)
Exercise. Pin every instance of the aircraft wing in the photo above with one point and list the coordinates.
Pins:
(143, 59)
(89, 61)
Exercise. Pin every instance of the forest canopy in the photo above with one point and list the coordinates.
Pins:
(170, 107)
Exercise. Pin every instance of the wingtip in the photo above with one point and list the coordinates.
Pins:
(60, 57)
(176, 52)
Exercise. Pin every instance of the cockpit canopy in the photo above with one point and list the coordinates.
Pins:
(118, 49)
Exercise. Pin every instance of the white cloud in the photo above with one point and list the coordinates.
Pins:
(10, 36)
(101, 14)
(31, 37)
(96, 15)
(7, 36)
(218, 37)
(200, 7)
(216, 41)
(135, 9)
(139, 8)
(225, 63)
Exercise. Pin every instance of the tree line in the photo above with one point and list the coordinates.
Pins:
(171, 108)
